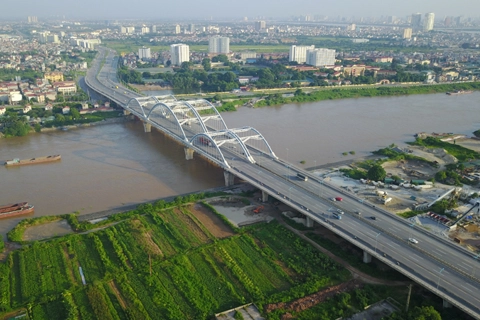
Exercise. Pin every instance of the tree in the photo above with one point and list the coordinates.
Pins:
(207, 66)
(75, 113)
(376, 173)
(426, 313)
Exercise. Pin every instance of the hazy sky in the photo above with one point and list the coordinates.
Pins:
(218, 9)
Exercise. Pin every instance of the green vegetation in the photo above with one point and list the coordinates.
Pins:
(358, 92)
(2, 245)
(477, 133)
(161, 264)
(398, 156)
(14, 125)
(459, 152)
(354, 258)
(16, 234)
(376, 173)
(355, 173)
(409, 214)
(352, 152)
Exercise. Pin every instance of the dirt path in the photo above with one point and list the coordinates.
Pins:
(313, 299)
(113, 286)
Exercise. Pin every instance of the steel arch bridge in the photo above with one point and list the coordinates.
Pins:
(199, 125)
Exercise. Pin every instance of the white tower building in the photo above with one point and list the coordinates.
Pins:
(179, 53)
(219, 45)
(321, 57)
(299, 53)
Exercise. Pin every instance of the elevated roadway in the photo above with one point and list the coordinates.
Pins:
(446, 269)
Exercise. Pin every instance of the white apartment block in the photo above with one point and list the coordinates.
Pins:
(144, 53)
(219, 45)
(428, 22)
(299, 53)
(321, 57)
(179, 53)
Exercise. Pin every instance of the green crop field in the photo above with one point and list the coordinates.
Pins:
(164, 264)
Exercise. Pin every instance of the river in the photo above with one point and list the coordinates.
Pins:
(111, 165)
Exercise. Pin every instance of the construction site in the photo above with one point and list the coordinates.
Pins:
(417, 194)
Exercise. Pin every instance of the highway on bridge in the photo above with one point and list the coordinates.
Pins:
(436, 263)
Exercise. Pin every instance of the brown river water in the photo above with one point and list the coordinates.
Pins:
(112, 165)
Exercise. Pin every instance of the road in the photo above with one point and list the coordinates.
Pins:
(439, 265)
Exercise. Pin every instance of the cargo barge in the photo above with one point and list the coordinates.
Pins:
(15, 209)
(457, 92)
(18, 162)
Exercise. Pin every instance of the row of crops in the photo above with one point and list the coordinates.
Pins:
(161, 265)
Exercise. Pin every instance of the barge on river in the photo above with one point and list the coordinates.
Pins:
(16, 209)
(18, 162)
(457, 92)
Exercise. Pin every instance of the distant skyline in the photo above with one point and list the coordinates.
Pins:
(218, 10)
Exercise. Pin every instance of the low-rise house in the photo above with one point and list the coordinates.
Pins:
(27, 108)
(3, 110)
(48, 107)
(66, 110)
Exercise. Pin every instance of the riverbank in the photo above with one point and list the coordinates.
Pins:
(150, 87)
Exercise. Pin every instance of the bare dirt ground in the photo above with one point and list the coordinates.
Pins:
(473, 144)
(313, 299)
(210, 221)
(9, 247)
(411, 169)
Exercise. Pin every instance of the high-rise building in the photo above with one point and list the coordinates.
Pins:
(219, 45)
(407, 33)
(299, 53)
(154, 29)
(144, 53)
(177, 29)
(145, 29)
(351, 27)
(320, 57)
(260, 25)
(191, 28)
(417, 21)
(32, 19)
(179, 53)
(429, 20)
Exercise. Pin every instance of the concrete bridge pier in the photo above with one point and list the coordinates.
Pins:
(367, 257)
(309, 222)
(229, 178)
(126, 112)
(188, 153)
(147, 127)
(264, 196)
(446, 304)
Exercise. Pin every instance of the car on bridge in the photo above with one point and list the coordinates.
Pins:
(373, 218)
(412, 240)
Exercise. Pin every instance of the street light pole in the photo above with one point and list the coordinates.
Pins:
(376, 239)
(439, 273)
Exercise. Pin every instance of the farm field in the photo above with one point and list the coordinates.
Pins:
(176, 263)
(126, 47)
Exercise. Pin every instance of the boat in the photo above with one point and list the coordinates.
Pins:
(457, 92)
(18, 162)
(15, 209)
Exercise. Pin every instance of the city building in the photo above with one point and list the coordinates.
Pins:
(154, 29)
(32, 19)
(53, 76)
(144, 53)
(320, 57)
(179, 53)
(219, 45)
(191, 28)
(407, 33)
(299, 53)
(417, 21)
(351, 27)
(260, 25)
(145, 30)
(429, 20)
(177, 29)
(248, 55)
